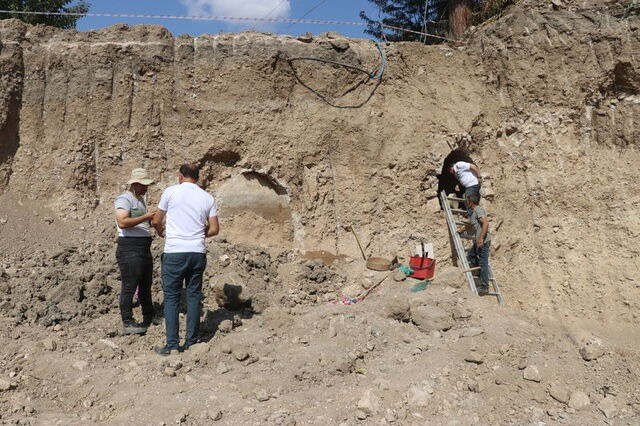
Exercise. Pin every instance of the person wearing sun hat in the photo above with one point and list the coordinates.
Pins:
(133, 251)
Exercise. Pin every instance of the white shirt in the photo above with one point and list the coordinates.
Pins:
(464, 174)
(188, 209)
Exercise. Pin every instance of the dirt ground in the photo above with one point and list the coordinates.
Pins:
(299, 151)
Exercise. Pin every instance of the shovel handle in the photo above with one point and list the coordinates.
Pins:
(358, 241)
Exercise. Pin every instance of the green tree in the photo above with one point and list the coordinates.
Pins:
(443, 18)
(415, 15)
(56, 6)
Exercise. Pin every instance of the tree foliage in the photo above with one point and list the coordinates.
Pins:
(413, 15)
(60, 21)
(438, 17)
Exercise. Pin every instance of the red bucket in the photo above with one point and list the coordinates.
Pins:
(423, 267)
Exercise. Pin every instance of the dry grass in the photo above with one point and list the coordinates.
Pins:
(490, 8)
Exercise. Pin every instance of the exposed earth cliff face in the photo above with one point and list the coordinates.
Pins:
(547, 99)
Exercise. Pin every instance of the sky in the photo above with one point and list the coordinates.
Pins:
(326, 10)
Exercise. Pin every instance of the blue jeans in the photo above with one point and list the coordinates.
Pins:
(179, 268)
(472, 189)
(479, 256)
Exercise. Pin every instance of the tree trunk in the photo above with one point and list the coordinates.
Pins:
(459, 17)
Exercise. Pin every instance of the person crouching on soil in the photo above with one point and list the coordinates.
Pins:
(134, 251)
(478, 254)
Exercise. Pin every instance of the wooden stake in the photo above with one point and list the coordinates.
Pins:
(363, 295)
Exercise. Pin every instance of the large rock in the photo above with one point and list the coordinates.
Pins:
(370, 403)
(450, 276)
(593, 349)
(532, 374)
(65, 293)
(231, 292)
(579, 400)
(396, 307)
(429, 318)
(559, 393)
(419, 395)
(608, 406)
(5, 385)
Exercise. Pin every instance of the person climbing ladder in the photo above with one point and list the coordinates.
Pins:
(478, 254)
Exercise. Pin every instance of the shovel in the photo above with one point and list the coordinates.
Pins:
(364, 257)
(373, 263)
(379, 264)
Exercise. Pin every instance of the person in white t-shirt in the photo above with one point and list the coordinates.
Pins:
(186, 216)
(467, 175)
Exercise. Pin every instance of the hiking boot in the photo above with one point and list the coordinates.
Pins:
(133, 328)
(483, 290)
(151, 320)
(164, 350)
(187, 345)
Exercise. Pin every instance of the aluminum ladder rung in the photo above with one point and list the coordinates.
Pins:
(454, 198)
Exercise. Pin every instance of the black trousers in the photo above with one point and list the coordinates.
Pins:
(136, 268)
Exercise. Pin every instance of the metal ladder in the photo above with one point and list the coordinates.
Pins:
(457, 245)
